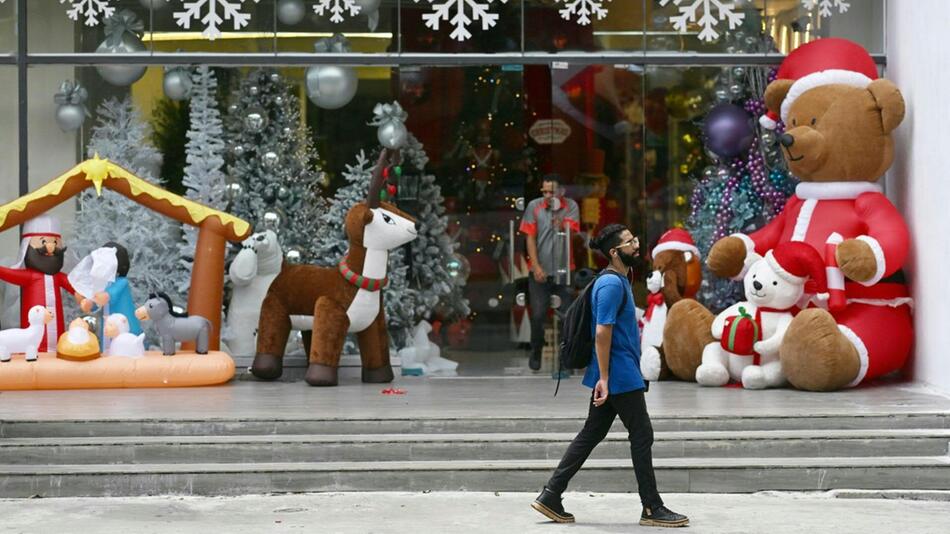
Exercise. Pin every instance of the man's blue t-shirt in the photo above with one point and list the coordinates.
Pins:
(606, 300)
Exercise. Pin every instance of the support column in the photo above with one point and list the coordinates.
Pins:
(207, 282)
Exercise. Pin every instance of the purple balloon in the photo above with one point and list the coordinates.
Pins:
(728, 130)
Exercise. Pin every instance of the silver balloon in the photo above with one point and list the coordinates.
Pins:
(153, 4)
(122, 75)
(177, 84)
(255, 119)
(291, 12)
(70, 117)
(392, 134)
(370, 8)
(331, 86)
(270, 159)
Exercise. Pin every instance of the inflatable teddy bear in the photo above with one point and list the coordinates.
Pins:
(676, 275)
(838, 118)
(251, 273)
(774, 286)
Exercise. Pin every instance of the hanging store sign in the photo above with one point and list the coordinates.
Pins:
(549, 131)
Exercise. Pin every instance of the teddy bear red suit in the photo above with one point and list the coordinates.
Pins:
(838, 117)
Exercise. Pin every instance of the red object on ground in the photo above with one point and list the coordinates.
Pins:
(394, 391)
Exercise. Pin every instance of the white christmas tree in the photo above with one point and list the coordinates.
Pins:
(204, 179)
(434, 248)
(121, 136)
(273, 167)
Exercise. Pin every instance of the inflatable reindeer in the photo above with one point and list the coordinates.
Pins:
(342, 299)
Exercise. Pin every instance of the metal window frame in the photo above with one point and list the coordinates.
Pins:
(23, 59)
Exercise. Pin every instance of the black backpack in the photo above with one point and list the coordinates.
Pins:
(577, 340)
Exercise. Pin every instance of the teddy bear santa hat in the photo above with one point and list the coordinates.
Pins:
(823, 62)
(675, 239)
(43, 225)
(799, 263)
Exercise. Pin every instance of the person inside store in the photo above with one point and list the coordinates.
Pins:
(618, 387)
(548, 224)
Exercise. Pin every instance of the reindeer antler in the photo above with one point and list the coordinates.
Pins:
(386, 158)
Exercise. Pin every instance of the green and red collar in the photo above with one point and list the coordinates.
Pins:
(360, 281)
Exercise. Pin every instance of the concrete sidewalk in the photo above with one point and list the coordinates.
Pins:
(773, 513)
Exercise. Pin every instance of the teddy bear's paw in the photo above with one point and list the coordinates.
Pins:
(753, 377)
(650, 363)
(685, 334)
(711, 374)
(816, 355)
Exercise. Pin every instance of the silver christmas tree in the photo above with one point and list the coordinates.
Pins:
(274, 179)
(204, 160)
(121, 136)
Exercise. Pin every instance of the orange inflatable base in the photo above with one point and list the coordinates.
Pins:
(151, 371)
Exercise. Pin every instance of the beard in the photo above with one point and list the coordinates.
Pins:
(45, 264)
(629, 260)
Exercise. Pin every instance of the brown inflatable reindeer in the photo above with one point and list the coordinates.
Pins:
(342, 299)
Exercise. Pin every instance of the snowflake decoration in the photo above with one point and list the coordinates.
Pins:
(708, 21)
(93, 10)
(824, 6)
(583, 9)
(443, 10)
(231, 10)
(336, 8)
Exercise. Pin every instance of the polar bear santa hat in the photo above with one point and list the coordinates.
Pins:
(676, 239)
(799, 263)
(823, 62)
(42, 225)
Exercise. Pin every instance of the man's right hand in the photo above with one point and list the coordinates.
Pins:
(539, 274)
(600, 392)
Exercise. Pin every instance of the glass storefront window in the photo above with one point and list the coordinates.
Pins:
(504, 36)
(8, 31)
(546, 30)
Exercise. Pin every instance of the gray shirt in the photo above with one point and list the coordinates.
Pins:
(545, 224)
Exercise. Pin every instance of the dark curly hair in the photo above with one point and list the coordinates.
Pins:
(607, 238)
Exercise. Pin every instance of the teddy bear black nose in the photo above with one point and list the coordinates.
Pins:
(757, 285)
(786, 140)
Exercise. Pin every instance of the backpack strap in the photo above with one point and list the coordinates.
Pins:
(615, 273)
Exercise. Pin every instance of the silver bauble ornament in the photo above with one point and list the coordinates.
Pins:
(768, 138)
(278, 100)
(735, 89)
(177, 84)
(253, 90)
(287, 131)
(232, 108)
(270, 159)
(234, 190)
(255, 119)
(238, 150)
(293, 256)
(283, 194)
(122, 75)
(269, 194)
(392, 134)
(274, 77)
(70, 117)
(153, 4)
(331, 86)
(291, 12)
(370, 8)
(722, 94)
(272, 221)
(738, 72)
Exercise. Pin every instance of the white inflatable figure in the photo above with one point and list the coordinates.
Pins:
(123, 342)
(26, 340)
(775, 287)
(251, 272)
(651, 337)
(424, 356)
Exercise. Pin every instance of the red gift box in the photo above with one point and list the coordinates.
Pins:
(740, 334)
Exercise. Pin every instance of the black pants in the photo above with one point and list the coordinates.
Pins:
(539, 294)
(632, 409)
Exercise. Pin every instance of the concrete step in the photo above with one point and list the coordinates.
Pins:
(719, 475)
(468, 425)
(492, 446)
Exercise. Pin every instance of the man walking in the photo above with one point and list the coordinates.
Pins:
(618, 387)
(547, 223)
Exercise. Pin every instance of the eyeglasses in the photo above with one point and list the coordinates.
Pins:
(635, 242)
(547, 191)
